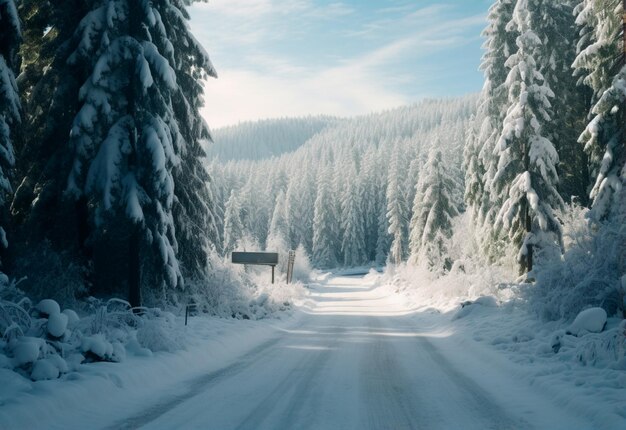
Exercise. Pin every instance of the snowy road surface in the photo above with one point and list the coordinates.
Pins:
(358, 359)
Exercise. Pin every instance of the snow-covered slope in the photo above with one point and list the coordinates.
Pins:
(262, 139)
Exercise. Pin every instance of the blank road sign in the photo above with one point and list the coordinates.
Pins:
(262, 258)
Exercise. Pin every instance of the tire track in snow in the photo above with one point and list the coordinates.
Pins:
(297, 384)
(196, 386)
(389, 401)
(476, 398)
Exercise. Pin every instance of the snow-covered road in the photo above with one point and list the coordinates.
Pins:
(358, 359)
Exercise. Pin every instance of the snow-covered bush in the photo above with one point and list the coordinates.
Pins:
(161, 334)
(238, 291)
(14, 306)
(225, 292)
(468, 277)
(302, 265)
(587, 275)
(465, 281)
(45, 341)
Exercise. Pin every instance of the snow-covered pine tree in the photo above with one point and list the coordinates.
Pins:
(526, 179)
(600, 64)
(371, 201)
(196, 217)
(383, 240)
(10, 107)
(255, 210)
(433, 210)
(300, 201)
(554, 24)
(338, 186)
(233, 228)
(324, 223)
(353, 243)
(474, 171)
(49, 88)
(412, 176)
(279, 226)
(397, 210)
(499, 45)
(137, 125)
(217, 195)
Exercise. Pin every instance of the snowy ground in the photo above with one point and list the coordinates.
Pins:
(355, 356)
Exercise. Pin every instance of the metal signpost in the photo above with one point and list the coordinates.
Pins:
(256, 258)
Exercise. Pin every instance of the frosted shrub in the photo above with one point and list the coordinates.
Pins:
(302, 265)
(278, 244)
(225, 292)
(162, 334)
(15, 319)
(588, 274)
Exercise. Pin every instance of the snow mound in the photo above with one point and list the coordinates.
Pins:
(57, 324)
(488, 301)
(72, 317)
(468, 307)
(159, 335)
(592, 320)
(97, 348)
(26, 350)
(48, 307)
(44, 369)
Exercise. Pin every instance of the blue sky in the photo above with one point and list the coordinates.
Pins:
(278, 58)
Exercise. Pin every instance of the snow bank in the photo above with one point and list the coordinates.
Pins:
(591, 320)
(120, 390)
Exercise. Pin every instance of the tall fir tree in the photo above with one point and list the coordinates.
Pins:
(526, 179)
(397, 210)
(474, 171)
(383, 239)
(353, 243)
(433, 210)
(368, 178)
(49, 86)
(10, 106)
(600, 65)
(325, 226)
(136, 138)
(279, 225)
(554, 24)
(499, 46)
(233, 227)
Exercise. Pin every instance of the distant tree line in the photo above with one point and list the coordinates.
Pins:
(547, 130)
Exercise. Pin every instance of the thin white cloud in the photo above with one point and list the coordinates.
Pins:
(263, 82)
(240, 95)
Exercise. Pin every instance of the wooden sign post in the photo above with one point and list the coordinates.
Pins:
(256, 258)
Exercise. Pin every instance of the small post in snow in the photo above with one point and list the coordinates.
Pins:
(290, 261)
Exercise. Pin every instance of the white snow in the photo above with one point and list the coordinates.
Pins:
(48, 307)
(356, 355)
(72, 317)
(57, 324)
(26, 350)
(44, 369)
(591, 320)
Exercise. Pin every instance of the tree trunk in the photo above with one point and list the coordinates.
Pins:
(134, 240)
(529, 247)
(82, 226)
(134, 266)
(527, 263)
